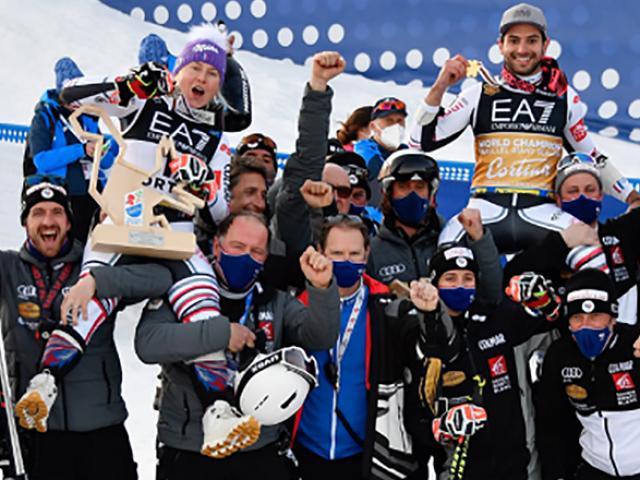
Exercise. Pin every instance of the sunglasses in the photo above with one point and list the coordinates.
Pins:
(576, 158)
(256, 140)
(390, 104)
(341, 192)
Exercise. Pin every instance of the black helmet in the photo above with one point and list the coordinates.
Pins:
(408, 164)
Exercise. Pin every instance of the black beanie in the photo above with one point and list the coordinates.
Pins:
(451, 256)
(38, 189)
(590, 291)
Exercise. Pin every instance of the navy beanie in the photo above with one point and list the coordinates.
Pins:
(65, 70)
(153, 49)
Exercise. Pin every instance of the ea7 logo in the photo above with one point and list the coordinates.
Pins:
(502, 110)
(610, 240)
(497, 366)
(623, 381)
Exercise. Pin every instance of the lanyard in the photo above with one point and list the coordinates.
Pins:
(247, 307)
(351, 323)
(47, 297)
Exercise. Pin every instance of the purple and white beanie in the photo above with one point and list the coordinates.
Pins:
(205, 45)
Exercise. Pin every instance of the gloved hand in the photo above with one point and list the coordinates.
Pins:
(536, 294)
(145, 81)
(458, 422)
(195, 174)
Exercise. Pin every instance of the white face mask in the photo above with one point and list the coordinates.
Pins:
(391, 137)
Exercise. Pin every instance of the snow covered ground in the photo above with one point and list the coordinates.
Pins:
(104, 42)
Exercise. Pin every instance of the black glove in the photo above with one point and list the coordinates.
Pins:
(149, 80)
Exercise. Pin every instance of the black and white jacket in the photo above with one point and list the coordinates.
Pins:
(604, 395)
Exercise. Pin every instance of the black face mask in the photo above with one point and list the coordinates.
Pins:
(330, 210)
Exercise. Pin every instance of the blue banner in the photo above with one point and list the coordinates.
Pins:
(407, 40)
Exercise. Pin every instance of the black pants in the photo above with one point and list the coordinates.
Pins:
(103, 454)
(587, 472)
(314, 467)
(265, 463)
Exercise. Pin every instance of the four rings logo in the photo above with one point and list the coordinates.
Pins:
(390, 270)
(26, 291)
(571, 373)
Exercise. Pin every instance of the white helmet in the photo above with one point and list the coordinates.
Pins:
(274, 386)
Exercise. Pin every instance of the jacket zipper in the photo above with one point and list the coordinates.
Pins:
(606, 426)
(106, 379)
(334, 425)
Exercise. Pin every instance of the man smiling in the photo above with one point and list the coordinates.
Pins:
(521, 121)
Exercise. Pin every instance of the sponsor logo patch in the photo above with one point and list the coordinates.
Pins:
(576, 392)
(497, 366)
(623, 381)
(29, 310)
(579, 131)
(453, 378)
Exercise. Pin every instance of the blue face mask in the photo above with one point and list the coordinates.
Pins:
(584, 209)
(458, 299)
(592, 341)
(355, 210)
(410, 209)
(239, 270)
(347, 273)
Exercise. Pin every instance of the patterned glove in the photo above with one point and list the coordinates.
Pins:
(536, 294)
(148, 80)
(459, 422)
(195, 174)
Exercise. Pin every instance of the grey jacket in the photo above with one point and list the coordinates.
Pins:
(161, 339)
(293, 224)
(394, 256)
(89, 396)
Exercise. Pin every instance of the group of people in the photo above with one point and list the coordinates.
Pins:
(330, 324)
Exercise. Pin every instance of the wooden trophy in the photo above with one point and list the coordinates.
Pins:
(133, 228)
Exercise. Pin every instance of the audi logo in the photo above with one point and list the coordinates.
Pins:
(390, 270)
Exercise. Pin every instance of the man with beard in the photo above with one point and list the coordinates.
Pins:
(84, 436)
(521, 121)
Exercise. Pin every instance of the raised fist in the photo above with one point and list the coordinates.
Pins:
(536, 294)
(453, 70)
(424, 295)
(324, 67)
(317, 194)
(317, 268)
(472, 223)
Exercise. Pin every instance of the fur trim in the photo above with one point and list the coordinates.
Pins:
(208, 31)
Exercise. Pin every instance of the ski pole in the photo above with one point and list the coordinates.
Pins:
(18, 462)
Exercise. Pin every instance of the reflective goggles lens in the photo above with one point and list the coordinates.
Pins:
(33, 180)
(576, 159)
(390, 104)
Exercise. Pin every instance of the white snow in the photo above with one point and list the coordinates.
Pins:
(104, 41)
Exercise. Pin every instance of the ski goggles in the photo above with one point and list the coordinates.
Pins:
(36, 182)
(292, 358)
(576, 158)
(387, 106)
(33, 180)
(257, 141)
(342, 218)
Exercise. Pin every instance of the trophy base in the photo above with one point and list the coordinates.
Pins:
(143, 241)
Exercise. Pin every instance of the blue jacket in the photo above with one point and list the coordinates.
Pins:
(60, 153)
